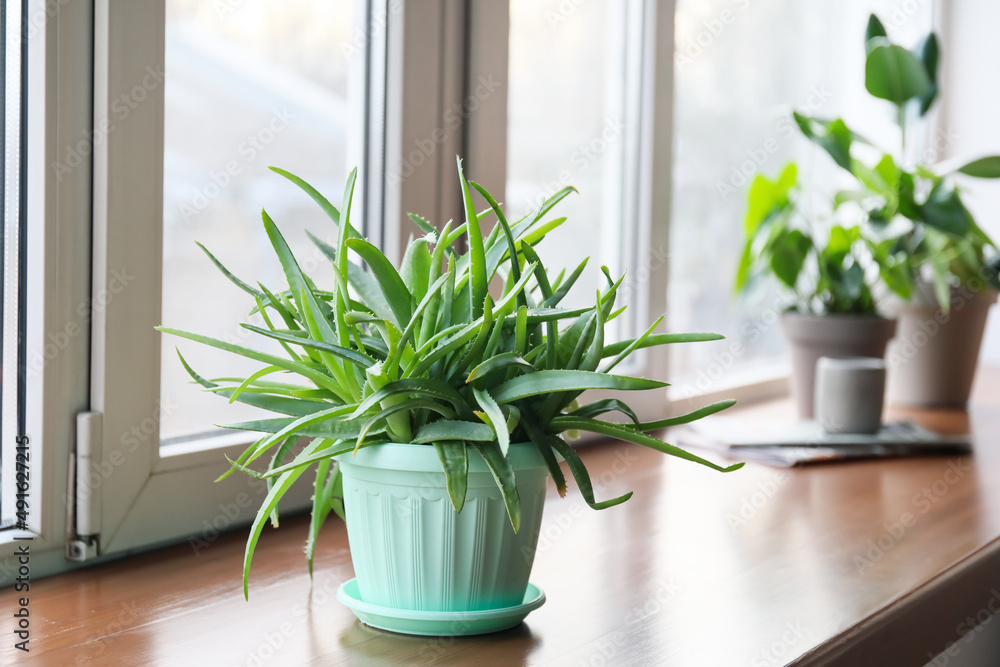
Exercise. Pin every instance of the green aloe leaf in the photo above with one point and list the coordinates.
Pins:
(297, 282)
(542, 443)
(501, 361)
(331, 429)
(633, 345)
(276, 460)
(331, 420)
(411, 326)
(631, 434)
(448, 345)
(280, 404)
(655, 340)
(253, 377)
(515, 270)
(582, 477)
(454, 458)
(689, 417)
(494, 416)
(503, 473)
(305, 458)
(425, 226)
(407, 406)
(429, 388)
(596, 350)
(477, 254)
(321, 379)
(606, 405)
(559, 292)
(344, 353)
(279, 489)
(446, 429)
(320, 509)
(369, 292)
(507, 303)
(394, 290)
(549, 381)
(745, 266)
(416, 267)
(327, 207)
(236, 281)
(328, 250)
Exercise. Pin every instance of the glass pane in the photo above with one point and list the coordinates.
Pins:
(11, 248)
(740, 69)
(248, 85)
(566, 127)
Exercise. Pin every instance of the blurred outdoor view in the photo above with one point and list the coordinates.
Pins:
(564, 129)
(248, 84)
(740, 69)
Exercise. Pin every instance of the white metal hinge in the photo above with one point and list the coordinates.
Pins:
(83, 497)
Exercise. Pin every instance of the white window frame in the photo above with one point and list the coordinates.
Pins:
(57, 273)
(152, 495)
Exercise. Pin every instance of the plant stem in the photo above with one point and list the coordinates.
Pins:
(902, 131)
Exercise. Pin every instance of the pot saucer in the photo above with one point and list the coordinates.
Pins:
(438, 623)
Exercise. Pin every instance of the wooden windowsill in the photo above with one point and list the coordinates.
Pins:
(762, 566)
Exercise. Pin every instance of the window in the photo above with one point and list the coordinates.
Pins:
(565, 129)
(734, 121)
(200, 97)
(246, 86)
(586, 120)
(11, 252)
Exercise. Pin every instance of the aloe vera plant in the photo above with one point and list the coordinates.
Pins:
(428, 355)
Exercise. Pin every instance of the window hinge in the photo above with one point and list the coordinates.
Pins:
(83, 498)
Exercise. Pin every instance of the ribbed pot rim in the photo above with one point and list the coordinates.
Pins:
(924, 300)
(424, 458)
(839, 329)
(842, 317)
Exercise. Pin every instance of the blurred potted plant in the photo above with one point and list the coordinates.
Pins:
(930, 252)
(820, 264)
(434, 410)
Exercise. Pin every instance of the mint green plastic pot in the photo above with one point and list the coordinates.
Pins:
(412, 550)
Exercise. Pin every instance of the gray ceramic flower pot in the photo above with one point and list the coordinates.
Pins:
(813, 336)
(933, 359)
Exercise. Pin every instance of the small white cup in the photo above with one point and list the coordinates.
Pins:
(849, 394)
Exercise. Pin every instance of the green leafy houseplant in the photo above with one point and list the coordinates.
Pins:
(825, 267)
(915, 222)
(900, 229)
(427, 355)
(820, 263)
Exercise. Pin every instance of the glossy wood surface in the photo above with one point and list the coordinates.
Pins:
(759, 567)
